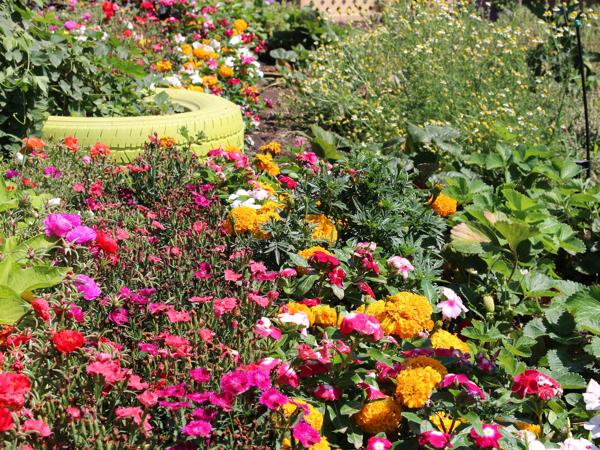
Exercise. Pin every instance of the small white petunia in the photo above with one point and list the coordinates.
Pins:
(591, 397)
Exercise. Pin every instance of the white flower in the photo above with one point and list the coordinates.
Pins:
(300, 318)
(196, 78)
(178, 38)
(593, 426)
(235, 40)
(577, 444)
(19, 157)
(54, 201)
(173, 81)
(591, 397)
(259, 194)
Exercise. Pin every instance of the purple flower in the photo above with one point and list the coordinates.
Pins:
(52, 171)
(60, 224)
(197, 428)
(70, 25)
(11, 173)
(87, 287)
(81, 235)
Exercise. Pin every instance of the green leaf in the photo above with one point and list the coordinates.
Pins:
(517, 201)
(510, 364)
(513, 232)
(535, 328)
(571, 381)
(325, 143)
(306, 284)
(12, 306)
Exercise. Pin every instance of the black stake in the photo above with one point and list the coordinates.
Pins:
(588, 161)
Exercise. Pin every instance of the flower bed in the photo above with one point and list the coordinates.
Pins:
(275, 301)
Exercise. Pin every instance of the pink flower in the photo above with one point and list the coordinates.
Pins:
(286, 375)
(41, 308)
(148, 398)
(87, 287)
(178, 316)
(135, 383)
(74, 412)
(260, 300)
(110, 370)
(230, 275)
(378, 443)
(533, 382)
(200, 375)
(224, 305)
(305, 434)
(288, 273)
(489, 439)
(452, 306)
(435, 439)
(362, 324)
(197, 428)
(204, 272)
(462, 380)
(38, 426)
(81, 235)
(264, 328)
(118, 316)
(60, 224)
(327, 392)
(400, 265)
(272, 399)
(235, 383)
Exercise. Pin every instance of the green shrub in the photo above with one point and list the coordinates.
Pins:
(433, 63)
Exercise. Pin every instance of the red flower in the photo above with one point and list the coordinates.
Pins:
(68, 341)
(532, 382)
(435, 439)
(106, 242)
(336, 277)
(41, 308)
(108, 9)
(323, 261)
(99, 149)
(13, 387)
(72, 143)
(6, 420)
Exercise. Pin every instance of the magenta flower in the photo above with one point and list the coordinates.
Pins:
(452, 306)
(58, 225)
(118, 316)
(200, 375)
(197, 428)
(11, 173)
(81, 235)
(235, 383)
(378, 443)
(461, 379)
(305, 434)
(327, 392)
(273, 399)
(362, 324)
(490, 437)
(435, 439)
(87, 287)
(70, 25)
(52, 171)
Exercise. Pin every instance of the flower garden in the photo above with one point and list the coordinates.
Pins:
(411, 259)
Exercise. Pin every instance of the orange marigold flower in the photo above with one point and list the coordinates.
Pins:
(424, 361)
(164, 65)
(404, 314)
(415, 386)
(265, 163)
(445, 423)
(210, 80)
(186, 49)
(324, 228)
(380, 416)
(242, 219)
(240, 25)
(446, 340)
(225, 71)
(324, 316)
(33, 143)
(166, 142)
(532, 427)
(313, 416)
(272, 147)
(443, 205)
(232, 149)
(308, 252)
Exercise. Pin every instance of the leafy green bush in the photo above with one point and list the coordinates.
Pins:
(433, 63)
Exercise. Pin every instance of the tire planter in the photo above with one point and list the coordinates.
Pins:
(219, 119)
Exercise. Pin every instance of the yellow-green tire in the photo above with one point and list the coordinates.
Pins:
(219, 119)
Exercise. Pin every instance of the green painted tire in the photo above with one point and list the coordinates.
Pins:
(219, 119)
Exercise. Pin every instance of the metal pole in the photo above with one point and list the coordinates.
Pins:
(585, 103)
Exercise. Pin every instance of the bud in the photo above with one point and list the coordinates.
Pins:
(488, 302)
